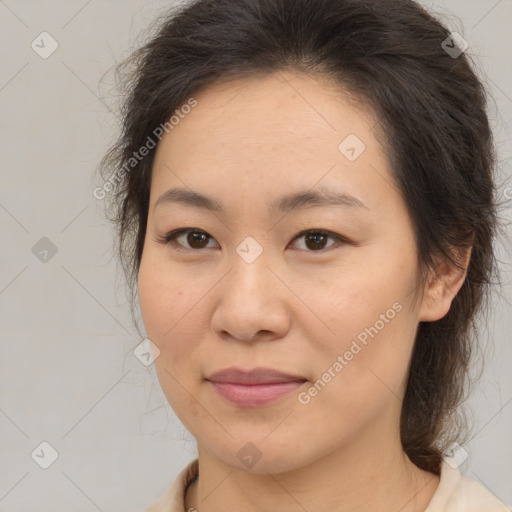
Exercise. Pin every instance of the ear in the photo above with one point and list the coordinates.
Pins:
(444, 282)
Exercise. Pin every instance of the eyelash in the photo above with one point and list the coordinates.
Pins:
(169, 239)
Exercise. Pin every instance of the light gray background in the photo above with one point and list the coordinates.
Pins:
(67, 372)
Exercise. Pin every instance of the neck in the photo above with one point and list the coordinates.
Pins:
(355, 478)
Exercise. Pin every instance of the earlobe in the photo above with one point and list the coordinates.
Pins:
(443, 284)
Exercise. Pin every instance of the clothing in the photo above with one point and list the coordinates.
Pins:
(455, 493)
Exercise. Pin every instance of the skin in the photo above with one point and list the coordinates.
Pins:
(295, 308)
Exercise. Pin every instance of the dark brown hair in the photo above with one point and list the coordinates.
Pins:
(391, 55)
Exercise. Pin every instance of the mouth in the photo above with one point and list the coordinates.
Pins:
(255, 387)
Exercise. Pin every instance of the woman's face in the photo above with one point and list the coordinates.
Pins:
(242, 290)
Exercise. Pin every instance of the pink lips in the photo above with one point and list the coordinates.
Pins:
(249, 388)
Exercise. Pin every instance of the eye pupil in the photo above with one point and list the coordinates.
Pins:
(315, 236)
(191, 238)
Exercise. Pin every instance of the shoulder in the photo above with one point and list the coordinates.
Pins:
(458, 493)
(173, 499)
(473, 496)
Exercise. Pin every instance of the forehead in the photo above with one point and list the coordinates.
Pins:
(279, 108)
(282, 131)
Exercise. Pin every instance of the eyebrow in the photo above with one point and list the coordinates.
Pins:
(320, 197)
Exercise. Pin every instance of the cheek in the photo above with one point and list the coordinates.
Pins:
(349, 302)
(358, 382)
(171, 322)
(163, 297)
(364, 317)
(171, 311)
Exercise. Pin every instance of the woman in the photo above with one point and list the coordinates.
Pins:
(305, 201)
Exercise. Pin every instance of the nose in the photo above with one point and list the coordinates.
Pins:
(253, 303)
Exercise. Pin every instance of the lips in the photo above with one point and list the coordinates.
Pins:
(252, 388)
(253, 376)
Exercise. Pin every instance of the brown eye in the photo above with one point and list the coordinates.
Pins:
(187, 238)
(315, 241)
(196, 240)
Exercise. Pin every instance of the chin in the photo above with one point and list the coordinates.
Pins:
(260, 456)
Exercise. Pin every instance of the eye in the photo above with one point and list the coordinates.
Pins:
(315, 239)
(195, 237)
